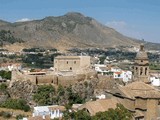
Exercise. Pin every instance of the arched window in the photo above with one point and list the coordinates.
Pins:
(141, 71)
(146, 71)
(36, 80)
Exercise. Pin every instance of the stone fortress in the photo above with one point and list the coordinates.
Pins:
(67, 71)
(71, 63)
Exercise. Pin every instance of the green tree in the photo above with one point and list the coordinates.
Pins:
(73, 97)
(79, 115)
(101, 59)
(60, 90)
(19, 117)
(16, 104)
(3, 87)
(5, 74)
(44, 95)
(120, 113)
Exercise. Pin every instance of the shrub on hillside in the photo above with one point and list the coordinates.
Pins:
(16, 104)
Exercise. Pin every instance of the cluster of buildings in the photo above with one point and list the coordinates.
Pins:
(114, 72)
(138, 95)
(10, 66)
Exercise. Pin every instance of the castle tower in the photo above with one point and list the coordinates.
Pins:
(141, 66)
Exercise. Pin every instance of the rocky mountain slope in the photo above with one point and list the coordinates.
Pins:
(68, 31)
(3, 23)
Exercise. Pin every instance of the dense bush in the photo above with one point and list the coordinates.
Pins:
(154, 66)
(39, 60)
(119, 113)
(5, 74)
(16, 104)
(73, 97)
(79, 115)
(7, 36)
(19, 117)
(3, 87)
(34, 50)
(44, 95)
(5, 114)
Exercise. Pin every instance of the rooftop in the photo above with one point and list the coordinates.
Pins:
(139, 89)
(70, 57)
(142, 53)
(99, 105)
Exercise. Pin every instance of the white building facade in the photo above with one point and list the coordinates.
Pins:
(54, 111)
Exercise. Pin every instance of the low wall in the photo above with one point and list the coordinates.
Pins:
(52, 79)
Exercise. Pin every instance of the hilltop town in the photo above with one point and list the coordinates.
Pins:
(72, 67)
(50, 84)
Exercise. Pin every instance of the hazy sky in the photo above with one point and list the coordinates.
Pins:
(135, 18)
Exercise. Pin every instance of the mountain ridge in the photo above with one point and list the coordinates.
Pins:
(67, 31)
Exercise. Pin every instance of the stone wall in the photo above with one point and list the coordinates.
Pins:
(152, 109)
(85, 61)
(68, 64)
(44, 79)
(71, 63)
(51, 78)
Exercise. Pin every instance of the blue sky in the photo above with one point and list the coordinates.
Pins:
(135, 18)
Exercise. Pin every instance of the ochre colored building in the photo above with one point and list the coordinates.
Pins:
(141, 66)
(139, 98)
(71, 63)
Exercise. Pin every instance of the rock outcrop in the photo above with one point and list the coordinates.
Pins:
(22, 89)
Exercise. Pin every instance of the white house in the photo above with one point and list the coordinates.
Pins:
(10, 66)
(155, 80)
(126, 76)
(102, 96)
(53, 111)
(97, 67)
(115, 69)
(101, 68)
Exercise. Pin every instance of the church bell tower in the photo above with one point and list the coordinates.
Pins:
(141, 66)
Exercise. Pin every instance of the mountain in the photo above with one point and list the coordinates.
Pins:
(67, 31)
(2, 23)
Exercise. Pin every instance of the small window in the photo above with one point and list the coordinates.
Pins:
(141, 60)
(70, 68)
(141, 71)
(74, 62)
(67, 62)
(146, 71)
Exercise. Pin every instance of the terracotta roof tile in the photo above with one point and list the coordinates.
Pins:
(139, 89)
(99, 105)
